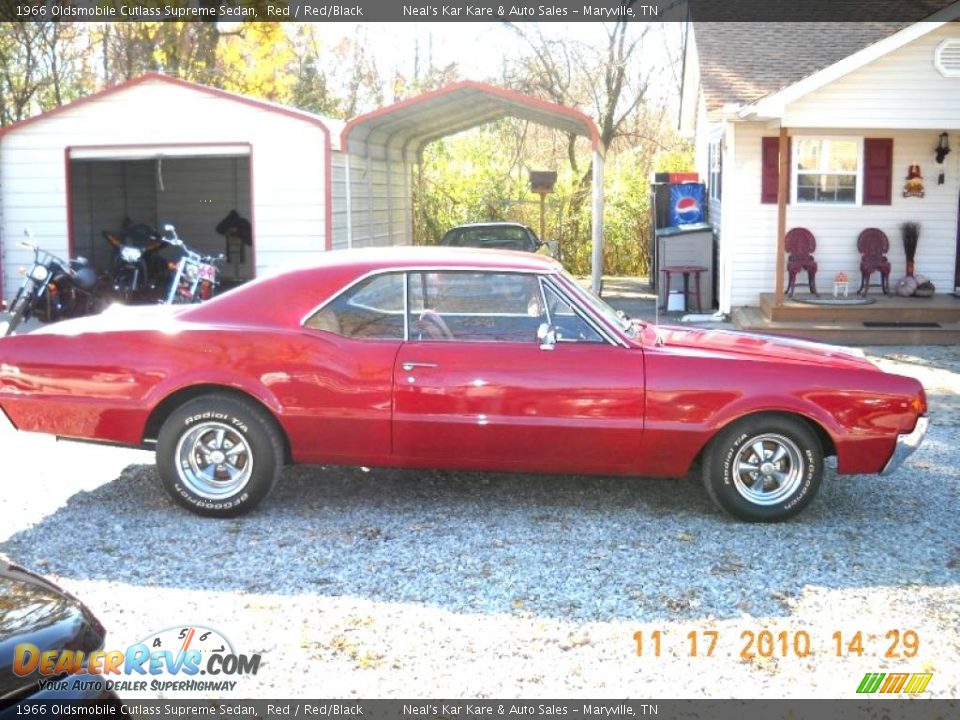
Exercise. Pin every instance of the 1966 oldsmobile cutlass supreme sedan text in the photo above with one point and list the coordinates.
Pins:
(461, 359)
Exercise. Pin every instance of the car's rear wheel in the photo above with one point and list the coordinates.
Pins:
(219, 455)
(764, 469)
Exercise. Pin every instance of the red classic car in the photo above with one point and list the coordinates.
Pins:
(454, 358)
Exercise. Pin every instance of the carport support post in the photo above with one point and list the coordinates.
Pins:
(782, 213)
(597, 226)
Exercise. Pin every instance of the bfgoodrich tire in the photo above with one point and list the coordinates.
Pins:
(219, 455)
(764, 469)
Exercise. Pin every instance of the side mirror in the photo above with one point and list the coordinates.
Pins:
(553, 247)
(547, 336)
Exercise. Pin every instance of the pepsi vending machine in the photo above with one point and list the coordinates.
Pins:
(686, 204)
(680, 234)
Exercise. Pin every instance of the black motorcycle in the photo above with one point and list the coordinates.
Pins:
(139, 273)
(53, 289)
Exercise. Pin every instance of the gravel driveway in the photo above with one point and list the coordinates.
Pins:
(388, 583)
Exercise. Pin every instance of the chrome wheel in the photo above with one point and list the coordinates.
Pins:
(767, 469)
(214, 461)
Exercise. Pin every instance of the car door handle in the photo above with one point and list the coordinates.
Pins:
(411, 364)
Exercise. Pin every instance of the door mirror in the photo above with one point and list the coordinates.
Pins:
(547, 336)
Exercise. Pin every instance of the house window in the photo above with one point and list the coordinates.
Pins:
(714, 169)
(827, 170)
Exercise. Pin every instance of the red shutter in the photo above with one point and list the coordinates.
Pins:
(877, 171)
(770, 163)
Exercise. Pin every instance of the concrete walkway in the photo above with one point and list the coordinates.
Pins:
(635, 297)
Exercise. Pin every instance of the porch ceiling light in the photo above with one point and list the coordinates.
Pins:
(943, 147)
(942, 150)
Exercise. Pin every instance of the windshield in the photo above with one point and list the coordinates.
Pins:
(599, 305)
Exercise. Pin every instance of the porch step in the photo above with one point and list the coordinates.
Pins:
(847, 331)
(940, 308)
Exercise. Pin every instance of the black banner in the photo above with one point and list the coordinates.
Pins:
(478, 10)
(494, 709)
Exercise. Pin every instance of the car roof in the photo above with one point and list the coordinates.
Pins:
(436, 256)
(281, 296)
(467, 226)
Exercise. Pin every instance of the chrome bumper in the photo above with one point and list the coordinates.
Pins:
(906, 444)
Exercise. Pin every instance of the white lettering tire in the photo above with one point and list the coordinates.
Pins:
(219, 455)
(765, 468)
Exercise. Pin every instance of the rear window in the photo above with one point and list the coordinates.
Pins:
(502, 238)
(371, 309)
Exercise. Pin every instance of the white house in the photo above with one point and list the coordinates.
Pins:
(854, 105)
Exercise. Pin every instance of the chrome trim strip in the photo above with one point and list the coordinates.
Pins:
(907, 443)
(406, 307)
(543, 299)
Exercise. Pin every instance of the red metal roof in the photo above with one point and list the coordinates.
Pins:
(412, 123)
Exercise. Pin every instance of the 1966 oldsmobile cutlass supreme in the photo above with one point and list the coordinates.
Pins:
(461, 359)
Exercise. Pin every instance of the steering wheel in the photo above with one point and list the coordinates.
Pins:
(433, 325)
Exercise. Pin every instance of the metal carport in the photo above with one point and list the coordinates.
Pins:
(379, 143)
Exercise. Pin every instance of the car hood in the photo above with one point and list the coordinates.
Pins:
(34, 610)
(755, 346)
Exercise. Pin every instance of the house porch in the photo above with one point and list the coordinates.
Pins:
(888, 320)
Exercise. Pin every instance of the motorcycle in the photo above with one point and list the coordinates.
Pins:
(139, 273)
(195, 277)
(53, 289)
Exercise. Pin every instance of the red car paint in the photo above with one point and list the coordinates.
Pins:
(644, 404)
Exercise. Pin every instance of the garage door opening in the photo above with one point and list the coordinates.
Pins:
(113, 188)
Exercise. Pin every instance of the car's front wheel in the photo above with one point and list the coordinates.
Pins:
(764, 469)
(219, 455)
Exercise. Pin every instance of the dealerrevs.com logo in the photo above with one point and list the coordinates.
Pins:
(178, 659)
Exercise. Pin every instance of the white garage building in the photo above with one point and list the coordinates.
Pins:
(158, 149)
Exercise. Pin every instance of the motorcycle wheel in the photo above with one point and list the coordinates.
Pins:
(18, 311)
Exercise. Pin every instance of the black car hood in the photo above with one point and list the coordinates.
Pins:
(34, 610)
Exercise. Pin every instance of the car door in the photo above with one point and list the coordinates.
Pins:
(474, 387)
(339, 390)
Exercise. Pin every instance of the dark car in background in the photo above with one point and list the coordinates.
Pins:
(495, 236)
(36, 611)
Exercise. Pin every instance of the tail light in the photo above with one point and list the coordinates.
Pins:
(919, 402)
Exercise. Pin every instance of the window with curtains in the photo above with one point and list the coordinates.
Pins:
(827, 170)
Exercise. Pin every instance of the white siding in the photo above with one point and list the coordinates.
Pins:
(288, 165)
(380, 200)
(750, 227)
(901, 89)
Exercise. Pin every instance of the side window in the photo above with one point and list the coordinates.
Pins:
(569, 325)
(475, 306)
(371, 309)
